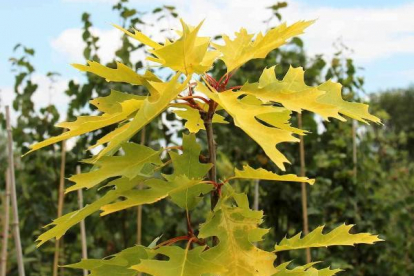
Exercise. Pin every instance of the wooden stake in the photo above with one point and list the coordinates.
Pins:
(256, 195)
(82, 225)
(5, 224)
(61, 197)
(303, 188)
(15, 223)
(256, 199)
(354, 149)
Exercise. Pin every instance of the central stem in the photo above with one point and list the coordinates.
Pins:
(212, 174)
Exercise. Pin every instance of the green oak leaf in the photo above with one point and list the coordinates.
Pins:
(236, 228)
(181, 262)
(129, 165)
(188, 164)
(117, 265)
(338, 236)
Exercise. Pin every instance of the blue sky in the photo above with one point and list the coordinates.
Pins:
(381, 32)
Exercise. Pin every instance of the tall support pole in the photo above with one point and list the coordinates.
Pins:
(303, 188)
(256, 195)
(15, 223)
(354, 149)
(6, 224)
(61, 196)
(82, 225)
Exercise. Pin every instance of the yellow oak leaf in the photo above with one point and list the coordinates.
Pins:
(129, 165)
(156, 189)
(151, 107)
(189, 54)
(262, 174)
(194, 121)
(120, 74)
(305, 270)
(246, 117)
(236, 228)
(117, 107)
(292, 92)
(243, 48)
(65, 222)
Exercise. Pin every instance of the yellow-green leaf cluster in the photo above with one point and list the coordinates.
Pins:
(262, 109)
(255, 107)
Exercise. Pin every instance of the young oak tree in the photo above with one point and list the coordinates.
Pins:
(225, 244)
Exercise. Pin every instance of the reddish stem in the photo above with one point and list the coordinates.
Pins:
(222, 77)
(173, 240)
(194, 97)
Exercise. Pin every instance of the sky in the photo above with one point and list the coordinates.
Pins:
(380, 34)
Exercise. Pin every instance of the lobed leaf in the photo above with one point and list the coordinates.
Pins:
(247, 116)
(116, 107)
(121, 73)
(189, 54)
(236, 228)
(292, 92)
(153, 191)
(65, 222)
(128, 165)
(118, 265)
(243, 48)
(194, 121)
(306, 270)
(151, 107)
(262, 174)
(181, 262)
(188, 164)
(338, 236)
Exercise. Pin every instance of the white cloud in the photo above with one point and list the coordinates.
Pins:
(373, 33)
(69, 44)
(48, 92)
(6, 96)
